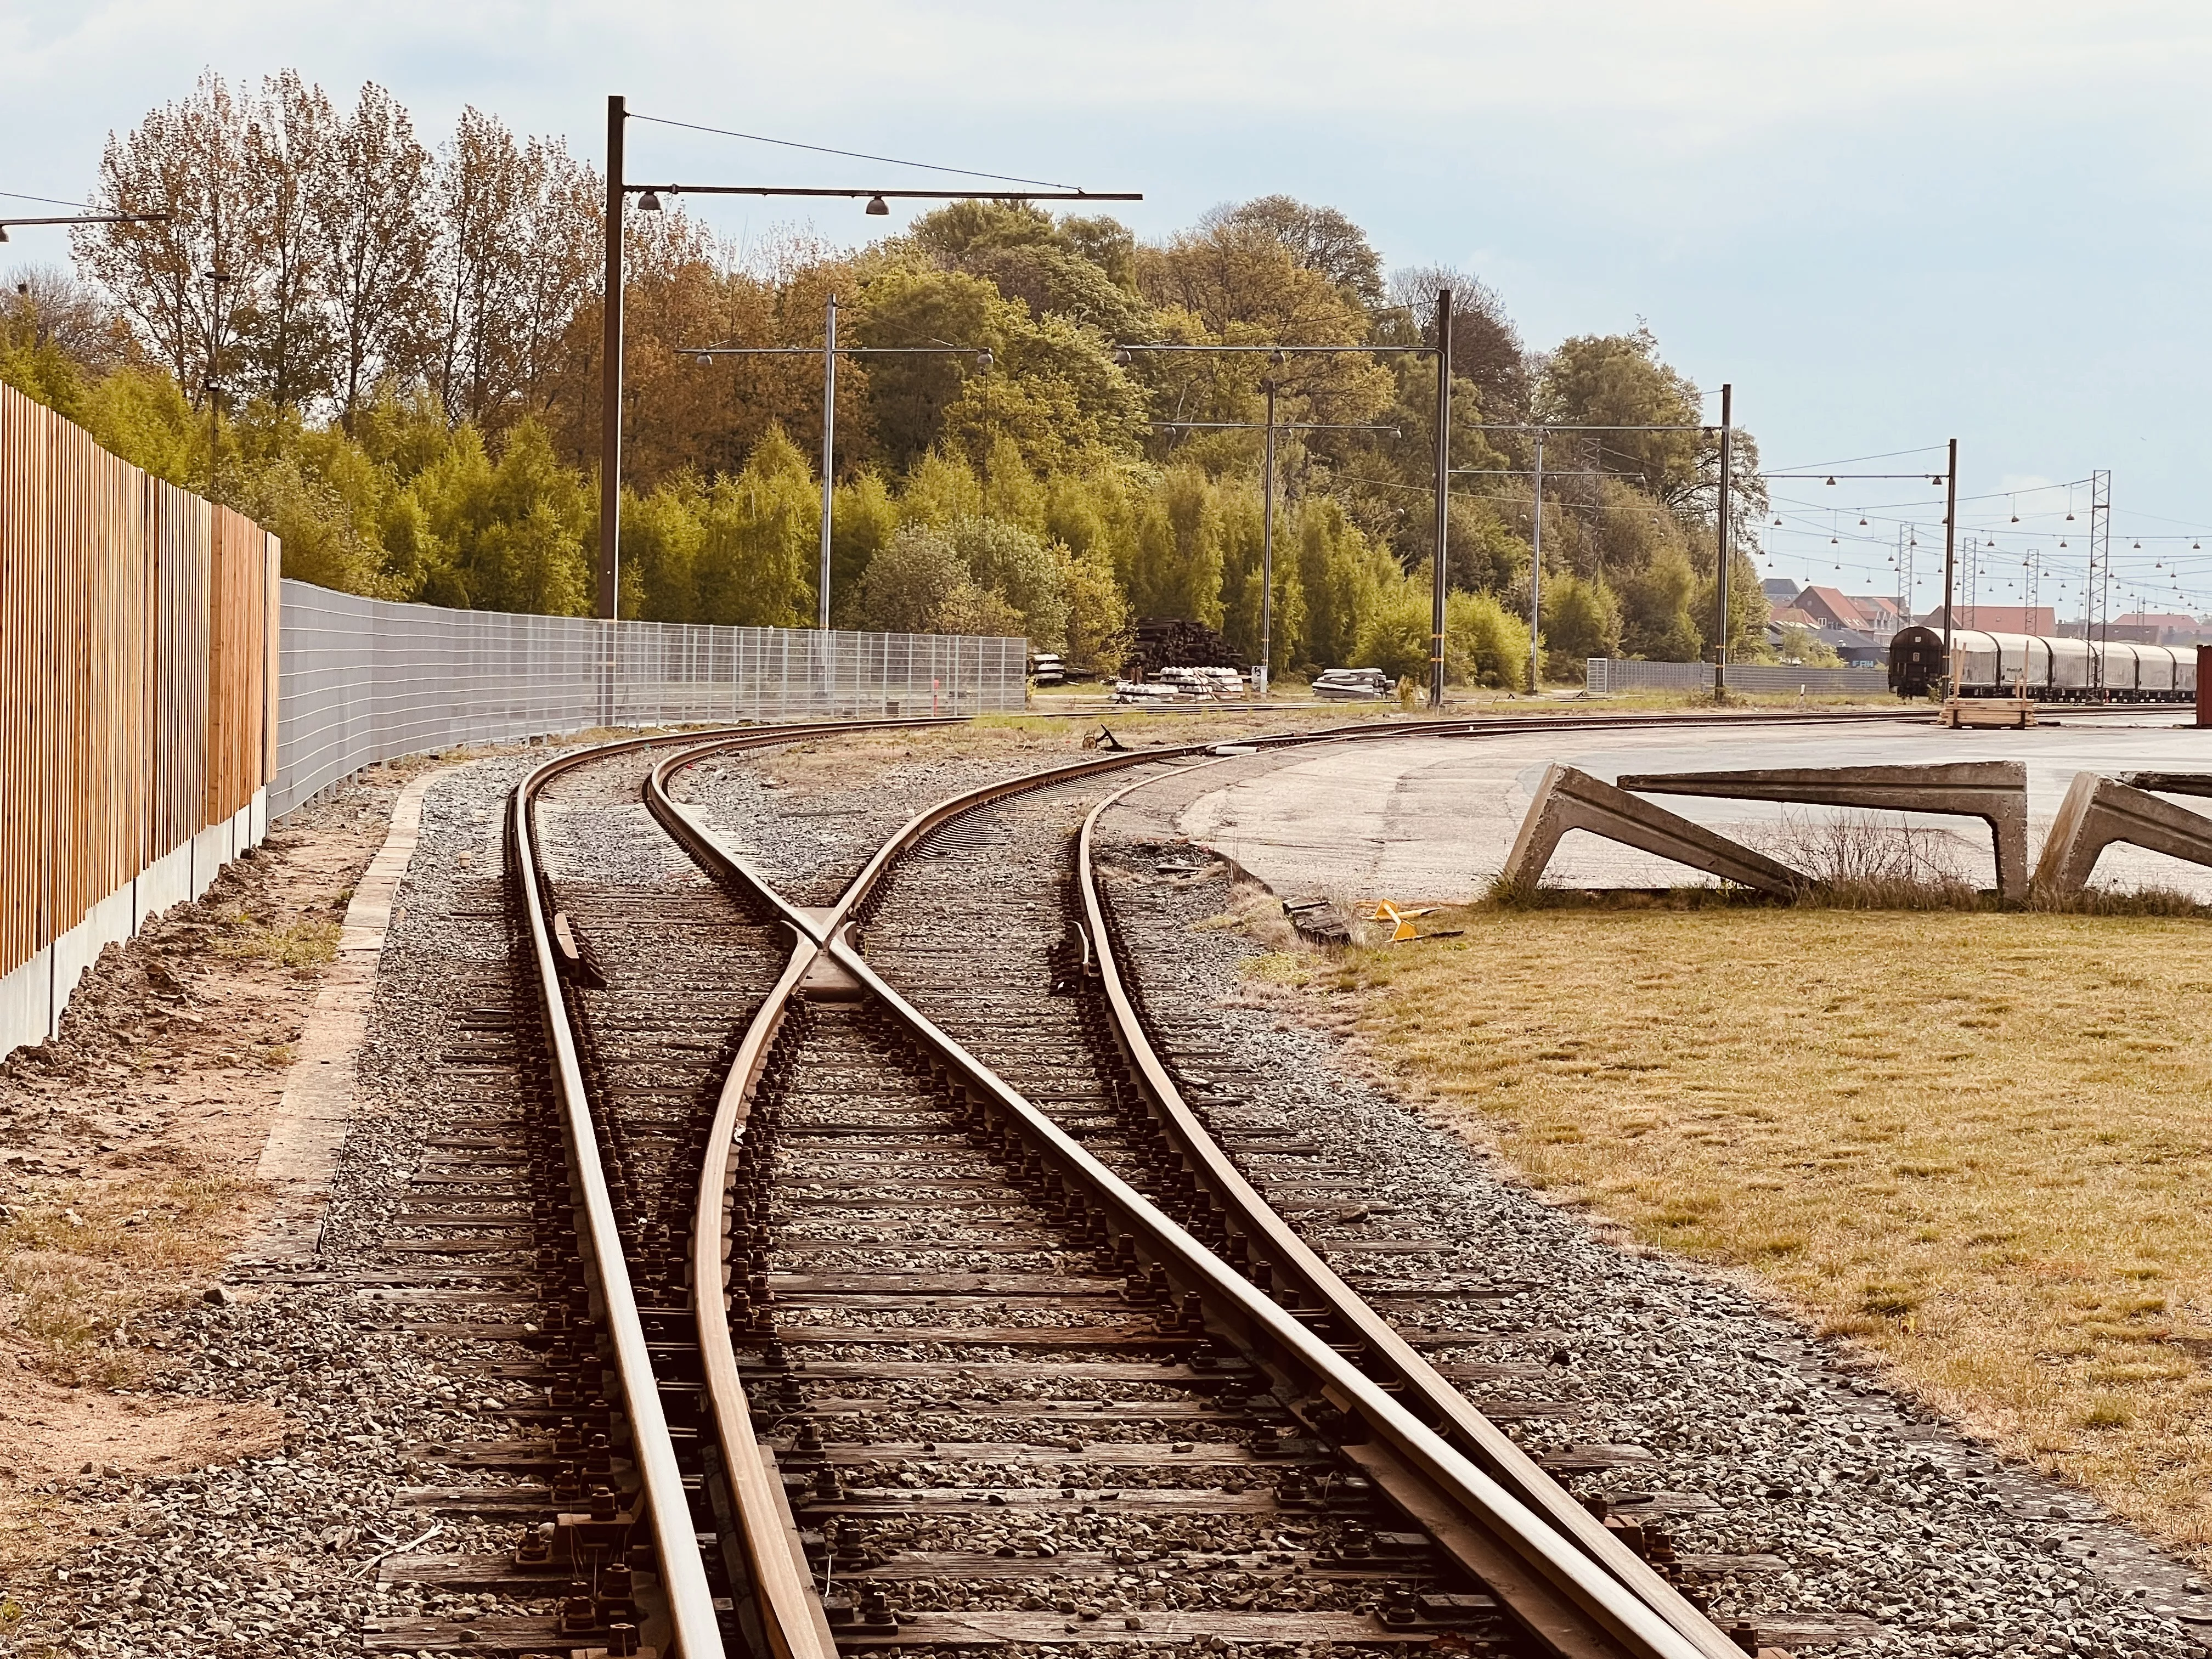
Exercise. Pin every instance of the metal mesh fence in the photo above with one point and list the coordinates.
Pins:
(362, 680)
(1614, 675)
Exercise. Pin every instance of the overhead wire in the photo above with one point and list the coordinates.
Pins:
(852, 154)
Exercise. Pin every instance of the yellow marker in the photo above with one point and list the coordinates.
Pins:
(1386, 911)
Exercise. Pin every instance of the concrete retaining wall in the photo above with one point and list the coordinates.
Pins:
(32, 997)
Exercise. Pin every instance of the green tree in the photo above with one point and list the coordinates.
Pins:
(1177, 568)
(863, 518)
(1396, 634)
(1098, 613)
(919, 585)
(1484, 643)
(1008, 560)
(756, 560)
(1582, 619)
(1656, 622)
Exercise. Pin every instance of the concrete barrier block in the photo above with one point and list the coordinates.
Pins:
(166, 881)
(2098, 812)
(26, 1009)
(1995, 791)
(2168, 783)
(1571, 799)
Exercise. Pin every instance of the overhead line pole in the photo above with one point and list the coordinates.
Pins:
(1721, 585)
(1267, 547)
(829, 454)
(1441, 572)
(1950, 552)
(611, 346)
(1536, 575)
(610, 374)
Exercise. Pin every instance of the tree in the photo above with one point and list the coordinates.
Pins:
(756, 561)
(1177, 569)
(1396, 634)
(1486, 348)
(1317, 238)
(1582, 620)
(1655, 618)
(1618, 380)
(285, 334)
(1017, 566)
(518, 227)
(1098, 614)
(863, 518)
(1800, 645)
(186, 160)
(902, 306)
(921, 585)
(1484, 645)
(376, 242)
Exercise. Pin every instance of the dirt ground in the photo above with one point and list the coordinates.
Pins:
(128, 1148)
(1974, 1143)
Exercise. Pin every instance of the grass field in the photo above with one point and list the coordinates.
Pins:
(1978, 1144)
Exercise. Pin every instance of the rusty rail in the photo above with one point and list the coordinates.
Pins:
(1568, 1582)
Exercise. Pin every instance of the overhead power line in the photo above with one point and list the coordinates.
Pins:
(855, 154)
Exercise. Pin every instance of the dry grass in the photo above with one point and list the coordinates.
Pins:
(77, 1268)
(1974, 1141)
(296, 944)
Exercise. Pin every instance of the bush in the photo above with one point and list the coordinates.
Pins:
(1484, 643)
(1582, 620)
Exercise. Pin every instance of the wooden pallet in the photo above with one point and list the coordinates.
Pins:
(2016, 712)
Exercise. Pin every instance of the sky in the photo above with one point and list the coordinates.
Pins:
(1885, 224)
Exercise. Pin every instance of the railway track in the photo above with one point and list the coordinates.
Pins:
(1002, 1340)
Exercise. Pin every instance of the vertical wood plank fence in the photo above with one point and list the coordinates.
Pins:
(137, 712)
(151, 723)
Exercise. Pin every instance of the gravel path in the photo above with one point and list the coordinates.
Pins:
(1758, 1438)
(276, 1554)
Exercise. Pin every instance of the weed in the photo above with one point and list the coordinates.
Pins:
(301, 944)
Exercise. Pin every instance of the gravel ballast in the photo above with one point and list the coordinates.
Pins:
(279, 1553)
(1771, 1442)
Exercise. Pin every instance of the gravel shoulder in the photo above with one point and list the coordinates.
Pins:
(258, 1467)
(1749, 1435)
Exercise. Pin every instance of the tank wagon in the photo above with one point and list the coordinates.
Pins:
(2048, 670)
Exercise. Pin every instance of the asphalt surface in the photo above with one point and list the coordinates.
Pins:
(1433, 818)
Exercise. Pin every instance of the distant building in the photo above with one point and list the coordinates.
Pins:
(1856, 650)
(1884, 615)
(1876, 615)
(1781, 593)
(2161, 628)
(2041, 619)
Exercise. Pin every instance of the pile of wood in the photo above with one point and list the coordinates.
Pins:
(1987, 711)
(1170, 642)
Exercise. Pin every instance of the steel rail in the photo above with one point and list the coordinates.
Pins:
(1402, 1368)
(1576, 1586)
(786, 1615)
(690, 1599)
(1550, 1584)
(787, 1618)
(694, 1624)
(1550, 1580)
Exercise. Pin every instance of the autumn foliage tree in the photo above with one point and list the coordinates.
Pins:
(406, 343)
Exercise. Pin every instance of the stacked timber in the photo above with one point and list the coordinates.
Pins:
(1171, 641)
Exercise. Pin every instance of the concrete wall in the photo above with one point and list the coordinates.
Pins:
(32, 997)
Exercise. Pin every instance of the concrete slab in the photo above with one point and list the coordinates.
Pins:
(1569, 799)
(1435, 818)
(317, 1107)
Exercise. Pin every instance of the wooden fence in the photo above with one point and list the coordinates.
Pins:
(138, 670)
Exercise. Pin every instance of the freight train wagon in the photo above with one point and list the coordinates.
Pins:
(2048, 670)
